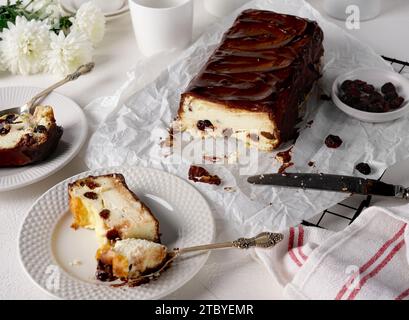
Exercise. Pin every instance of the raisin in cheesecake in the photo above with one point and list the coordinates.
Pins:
(254, 85)
(28, 138)
(130, 258)
(106, 205)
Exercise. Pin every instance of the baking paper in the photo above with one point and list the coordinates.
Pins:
(130, 128)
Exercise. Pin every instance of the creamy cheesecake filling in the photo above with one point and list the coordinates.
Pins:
(131, 258)
(202, 118)
(107, 206)
(15, 130)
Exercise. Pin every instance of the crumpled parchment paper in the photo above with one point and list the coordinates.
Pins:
(130, 126)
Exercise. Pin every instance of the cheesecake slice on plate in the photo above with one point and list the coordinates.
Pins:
(106, 205)
(129, 259)
(27, 138)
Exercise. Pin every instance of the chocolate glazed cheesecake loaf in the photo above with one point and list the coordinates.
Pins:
(254, 83)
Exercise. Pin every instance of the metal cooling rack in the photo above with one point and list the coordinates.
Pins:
(345, 212)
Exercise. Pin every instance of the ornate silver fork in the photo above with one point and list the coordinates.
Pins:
(30, 105)
(262, 240)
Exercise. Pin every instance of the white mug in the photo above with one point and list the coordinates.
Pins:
(221, 8)
(161, 25)
(368, 9)
(106, 6)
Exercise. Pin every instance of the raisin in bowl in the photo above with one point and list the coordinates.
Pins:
(372, 95)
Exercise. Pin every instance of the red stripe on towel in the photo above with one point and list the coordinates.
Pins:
(301, 242)
(290, 248)
(378, 268)
(403, 295)
(370, 262)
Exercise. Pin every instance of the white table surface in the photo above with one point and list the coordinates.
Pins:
(242, 277)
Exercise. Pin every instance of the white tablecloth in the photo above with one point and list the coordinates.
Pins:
(244, 278)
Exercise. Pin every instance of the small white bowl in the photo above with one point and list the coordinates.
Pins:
(376, 77)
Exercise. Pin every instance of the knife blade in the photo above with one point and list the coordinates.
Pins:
(331, 182)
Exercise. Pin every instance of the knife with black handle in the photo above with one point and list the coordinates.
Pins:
(331, 182)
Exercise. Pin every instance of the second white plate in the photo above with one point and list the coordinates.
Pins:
(49, 248)
(67, 114)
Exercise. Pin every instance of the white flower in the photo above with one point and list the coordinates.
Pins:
(67, 53)
(90, 20)
(24, 45)
(49, 10)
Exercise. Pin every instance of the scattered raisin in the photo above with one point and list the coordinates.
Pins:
(104, 214)
(104, 272)
(4, 129)
(204, 124)
(363, 168)
(113, 234)
(92, 184)
(333, 141)
(91, 195)
(311, 163)
(397, 102)
(40, 129)
(388, 87)
(10, 118)
(267, 135)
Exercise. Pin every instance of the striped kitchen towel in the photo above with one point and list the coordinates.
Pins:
(367, 260)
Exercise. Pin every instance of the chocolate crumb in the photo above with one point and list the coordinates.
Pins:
(333, 141)
(104, 214)
(204, 124)
(284, 156)
(285, 166)
(311, 163)
(211, 159)
(363, 168)
(253, 136)
(199, 174)
(91, 195)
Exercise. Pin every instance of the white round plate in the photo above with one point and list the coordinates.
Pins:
(67, 114)
(71, 7)
(376, 77)
(48, 246)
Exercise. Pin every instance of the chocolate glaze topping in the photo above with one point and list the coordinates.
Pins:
(253, 59)
(266, 62)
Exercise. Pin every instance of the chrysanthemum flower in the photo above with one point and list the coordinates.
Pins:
(24, 45)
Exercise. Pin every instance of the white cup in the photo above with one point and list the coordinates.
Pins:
(106, 6)
(221, 8)
(368, 9)
(161, 25)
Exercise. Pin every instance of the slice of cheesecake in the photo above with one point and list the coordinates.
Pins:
(27, 138)
(129, 259)
(106, 205)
